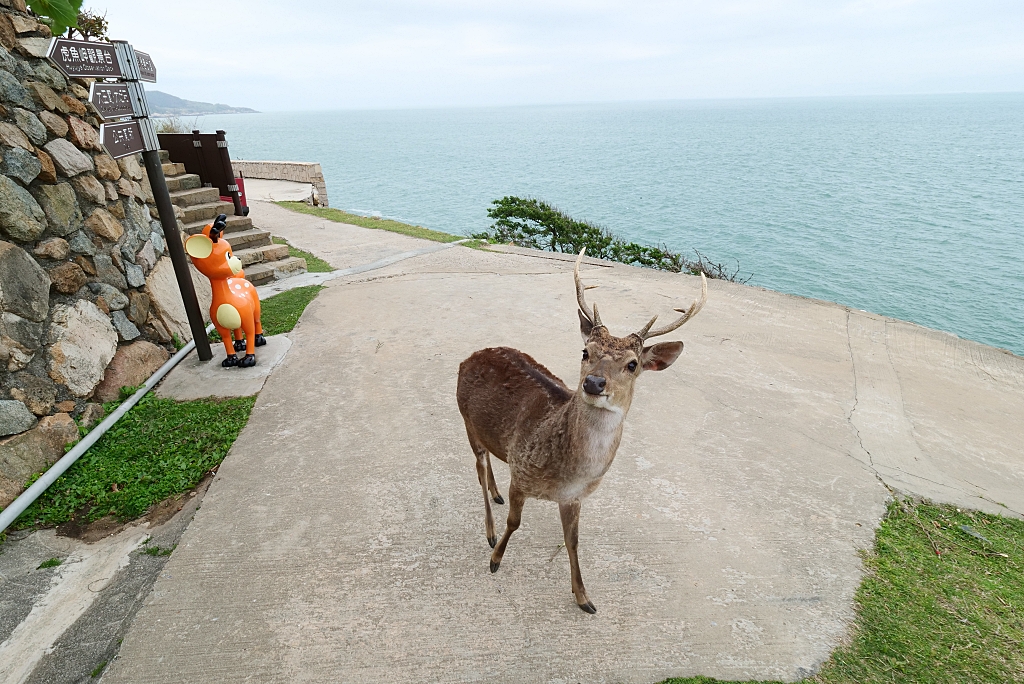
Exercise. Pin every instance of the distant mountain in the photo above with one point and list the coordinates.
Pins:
(162, 104)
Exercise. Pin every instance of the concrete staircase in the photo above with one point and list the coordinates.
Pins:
(262, 260)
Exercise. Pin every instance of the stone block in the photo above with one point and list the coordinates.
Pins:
(82, 343)
(124, 186)
(24, 24)
(24, 285)
(38, 394)
(50, 76)
(165, 299)
(132, 365)
(79, 91)
(60, 207)
(74, 105)
(116, 300)
(54, 248)
(21, 164)
(89, 189)
(55, 124)
(8, 37)
(12, 92)
(146, 257)
(130, 167)
(68, 159)
(101, 223)
(91, 414)
(138, 307)
(108, 273)
(21, 217)
(14, 417)
(12, 136)
(47, 171)
(30, 124)
(68, 277)
(117, 209)
(33, 46)
(134, 274)
(126, 330)
(84, 135)
(111, 191)
(106, 167)
(81, 244)
(23, 455)
(45, 97)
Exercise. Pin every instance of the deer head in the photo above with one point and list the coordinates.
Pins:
(612, 364)
(211, 254)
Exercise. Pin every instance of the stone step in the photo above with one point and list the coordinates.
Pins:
(194, 196)
(235, 224)
(260, 274)
(165, 157)
(259, 255)
(248, 239)
(171, 169)
(206, 212)
(186, 181)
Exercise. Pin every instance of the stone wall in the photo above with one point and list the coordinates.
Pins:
(299, 172)
(86, 304)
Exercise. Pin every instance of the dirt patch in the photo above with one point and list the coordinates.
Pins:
(157, 514)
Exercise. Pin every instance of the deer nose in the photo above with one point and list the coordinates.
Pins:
(594, 384)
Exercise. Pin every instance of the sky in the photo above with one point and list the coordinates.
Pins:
(302, 55)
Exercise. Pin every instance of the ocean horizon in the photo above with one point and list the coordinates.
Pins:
(906, 206)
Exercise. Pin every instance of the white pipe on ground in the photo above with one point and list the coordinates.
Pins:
(11, 513)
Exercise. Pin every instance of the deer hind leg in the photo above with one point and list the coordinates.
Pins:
(483, 472)
(491, 486)
(516, 499)
(570, 513)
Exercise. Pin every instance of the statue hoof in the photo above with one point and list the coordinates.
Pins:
(247, 361)
(239, 345)
(230, 361)
(260, 340)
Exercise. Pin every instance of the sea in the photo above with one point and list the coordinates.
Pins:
(910, 206)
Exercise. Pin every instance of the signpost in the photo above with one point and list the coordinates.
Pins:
(127, 129)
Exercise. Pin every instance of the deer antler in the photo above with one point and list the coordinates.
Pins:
(646, 333)
(594, 318)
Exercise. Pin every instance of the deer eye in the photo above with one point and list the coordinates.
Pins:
(631, 366)
(586, 355)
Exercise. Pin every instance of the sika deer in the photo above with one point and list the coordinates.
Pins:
(558, 443)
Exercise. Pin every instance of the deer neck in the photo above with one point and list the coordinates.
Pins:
(594, 432)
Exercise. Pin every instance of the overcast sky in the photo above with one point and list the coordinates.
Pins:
(302, 55)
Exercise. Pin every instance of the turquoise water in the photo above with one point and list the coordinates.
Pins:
(911, 207)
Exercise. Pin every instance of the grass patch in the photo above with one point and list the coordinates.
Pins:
(943, 602)
(280, 313)
(159, 448)
(158, 550)
(98, 670)
(366, 222)
(314, 264)
(52, 563)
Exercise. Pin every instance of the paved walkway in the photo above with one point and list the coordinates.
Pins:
(343, 537)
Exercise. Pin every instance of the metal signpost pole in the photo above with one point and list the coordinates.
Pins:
(130, 131)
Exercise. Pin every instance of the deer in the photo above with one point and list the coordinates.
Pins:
(558, 443)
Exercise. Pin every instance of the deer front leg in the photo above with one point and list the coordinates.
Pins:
(516, 499)
(570, 513)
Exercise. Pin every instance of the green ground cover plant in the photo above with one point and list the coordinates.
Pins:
(529, 222)
(314, 264)
(374, 223)
(280, 313)
(943, 601)
(159, 448)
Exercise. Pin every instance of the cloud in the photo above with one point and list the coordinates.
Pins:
(359, 54)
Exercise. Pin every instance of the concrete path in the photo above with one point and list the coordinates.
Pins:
(343, 538)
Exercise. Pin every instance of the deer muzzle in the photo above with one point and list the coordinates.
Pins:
(594, 384)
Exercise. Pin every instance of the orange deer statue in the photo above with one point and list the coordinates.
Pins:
(236, 304)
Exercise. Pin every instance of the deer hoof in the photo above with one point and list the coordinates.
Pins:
(495, 566)
(587, 607)
(230, 361)
(260, 340)
(498, 500)
(239, 345)
(493, 541)
(247, 361)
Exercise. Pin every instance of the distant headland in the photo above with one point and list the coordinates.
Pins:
(163, 104)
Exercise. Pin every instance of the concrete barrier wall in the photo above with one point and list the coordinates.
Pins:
(299, 172)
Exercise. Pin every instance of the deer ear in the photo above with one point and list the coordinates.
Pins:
(586, 327)
(199, 246)
(660, 356)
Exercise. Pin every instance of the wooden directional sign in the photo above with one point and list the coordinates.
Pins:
(112, 100)
(147, 70)
(84, 58)
(122, 139)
